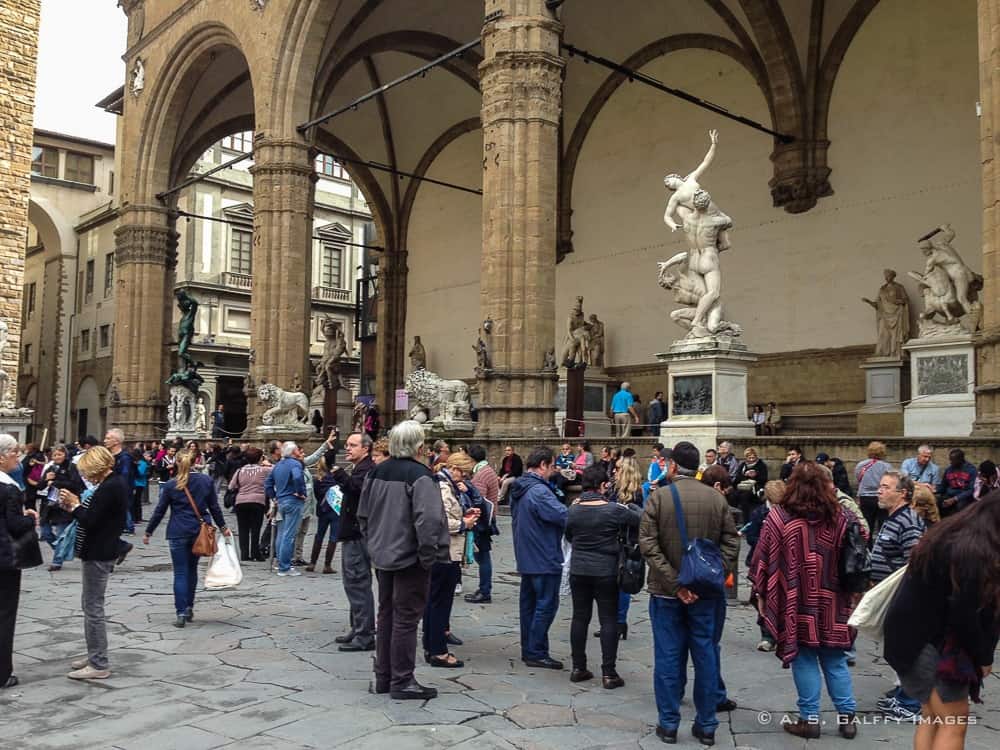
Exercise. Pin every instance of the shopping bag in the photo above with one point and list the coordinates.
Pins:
(334, 498)
(224, 572)
(869, 616)
(567, 550)
(64, 547)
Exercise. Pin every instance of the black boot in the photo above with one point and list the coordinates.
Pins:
(317, 543)
(623, 631)
(331, 549)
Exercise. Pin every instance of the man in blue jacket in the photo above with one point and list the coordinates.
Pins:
(286, 483)
(538, 520)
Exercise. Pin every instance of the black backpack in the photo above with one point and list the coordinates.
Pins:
(855, 566)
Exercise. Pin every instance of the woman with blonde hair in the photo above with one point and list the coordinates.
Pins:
(100, 518)
(190, 496)
(462, 507)
(327, 519)
(869, 474)
(627, 482)
(925, 504)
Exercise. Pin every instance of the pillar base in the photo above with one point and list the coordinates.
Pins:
(517, 404)
(882, 413)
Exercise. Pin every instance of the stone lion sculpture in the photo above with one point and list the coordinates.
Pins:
(442, 401)
(283, 407)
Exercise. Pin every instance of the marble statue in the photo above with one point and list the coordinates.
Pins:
(187, 374)
(114, 394)
(201, 416)
(595, 352)
(483, 361)
(334, 348)
(694, 275)
(892, 316)
(442, 404)
(284, 410)
(418, 355)
(949, 287)
(549, 361)
(138, 77)
(576, 350)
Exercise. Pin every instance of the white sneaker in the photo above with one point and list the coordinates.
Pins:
(458, 589)
(765, 645)
(289, 572)
(79, 663)
(90, 673)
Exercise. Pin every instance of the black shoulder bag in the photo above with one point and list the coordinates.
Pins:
(631, 565)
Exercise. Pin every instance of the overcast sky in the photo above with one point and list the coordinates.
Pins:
(79, 63)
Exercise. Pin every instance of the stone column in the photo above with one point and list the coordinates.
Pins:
(18, 49)
(521, 82)
(145, 257)
(390, 348)
(280, 313)
(988, 343)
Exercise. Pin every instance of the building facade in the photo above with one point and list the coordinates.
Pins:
(71, 298)
(875, 138)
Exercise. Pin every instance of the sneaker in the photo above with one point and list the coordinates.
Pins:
(899, 712)
(54, 568)
(79, 663)
(765, 645)
(289, 572)
(886, 703)
(458, 589)
(90, 673)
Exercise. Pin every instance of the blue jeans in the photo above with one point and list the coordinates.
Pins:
(677, 629)
(327, 523)
(485, 571)
(185, 572)
(806, 672)
(129, 522)
(539, 602)
(624, 600)
(51, 532)
(291, 516)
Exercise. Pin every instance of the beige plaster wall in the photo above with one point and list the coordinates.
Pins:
(445, 244)
(904, 159)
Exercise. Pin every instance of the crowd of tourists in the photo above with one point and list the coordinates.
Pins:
(594, 526)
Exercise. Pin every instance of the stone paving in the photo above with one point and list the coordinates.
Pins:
(259, 669)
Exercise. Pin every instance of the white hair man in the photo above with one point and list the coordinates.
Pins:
(402, 519)
(286, 484)
(623, 410)
(921, 468)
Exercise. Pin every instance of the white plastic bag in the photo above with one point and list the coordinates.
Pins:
(869, 616)
(567, 550)
(224, 572)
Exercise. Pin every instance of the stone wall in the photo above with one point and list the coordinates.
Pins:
(19, 51)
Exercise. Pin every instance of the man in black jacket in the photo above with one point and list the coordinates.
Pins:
(355, 561)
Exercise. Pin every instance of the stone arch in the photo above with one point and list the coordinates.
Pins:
(156, 162)
(434, 150)
(54, 230)
(88, 397)
(602, 96)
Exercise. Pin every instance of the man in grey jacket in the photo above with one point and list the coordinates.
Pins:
(403, 523)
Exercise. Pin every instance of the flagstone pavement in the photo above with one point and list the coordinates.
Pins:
(258, 668)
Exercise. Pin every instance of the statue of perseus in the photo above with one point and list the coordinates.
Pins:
(694, 275)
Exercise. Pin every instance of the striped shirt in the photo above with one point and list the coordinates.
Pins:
(896, 539)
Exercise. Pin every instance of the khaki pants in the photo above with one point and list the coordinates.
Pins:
(623, 421)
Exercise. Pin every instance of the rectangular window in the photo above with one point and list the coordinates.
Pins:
(109, 274)
(239, 252)
(327, 166)
(241, 142)
(27, 353)
(330, 273)
(88, 285)
(111, 183)
(79, 168)
(29, 298)
(85, 341)
(105, 337)
(45, 161)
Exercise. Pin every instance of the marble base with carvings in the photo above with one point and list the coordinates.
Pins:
(15, 422)
(182, 415)
(942, 373)
(449, 427)
(707, 392)
(280, 430)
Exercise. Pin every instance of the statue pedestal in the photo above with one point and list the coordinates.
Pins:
(182, 414)
(882, 413)
(594, 403)
(708, 392)
(942, 374)
(15, 422)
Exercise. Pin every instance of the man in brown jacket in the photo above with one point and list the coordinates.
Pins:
(681, 620)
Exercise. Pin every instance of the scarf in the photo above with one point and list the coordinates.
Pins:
(479, 466)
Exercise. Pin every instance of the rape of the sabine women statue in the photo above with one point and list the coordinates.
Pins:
(694, 276)
(949, 287)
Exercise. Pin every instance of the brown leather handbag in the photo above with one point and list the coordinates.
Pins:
(206, 544)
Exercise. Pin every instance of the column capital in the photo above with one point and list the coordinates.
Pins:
(146, 235)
